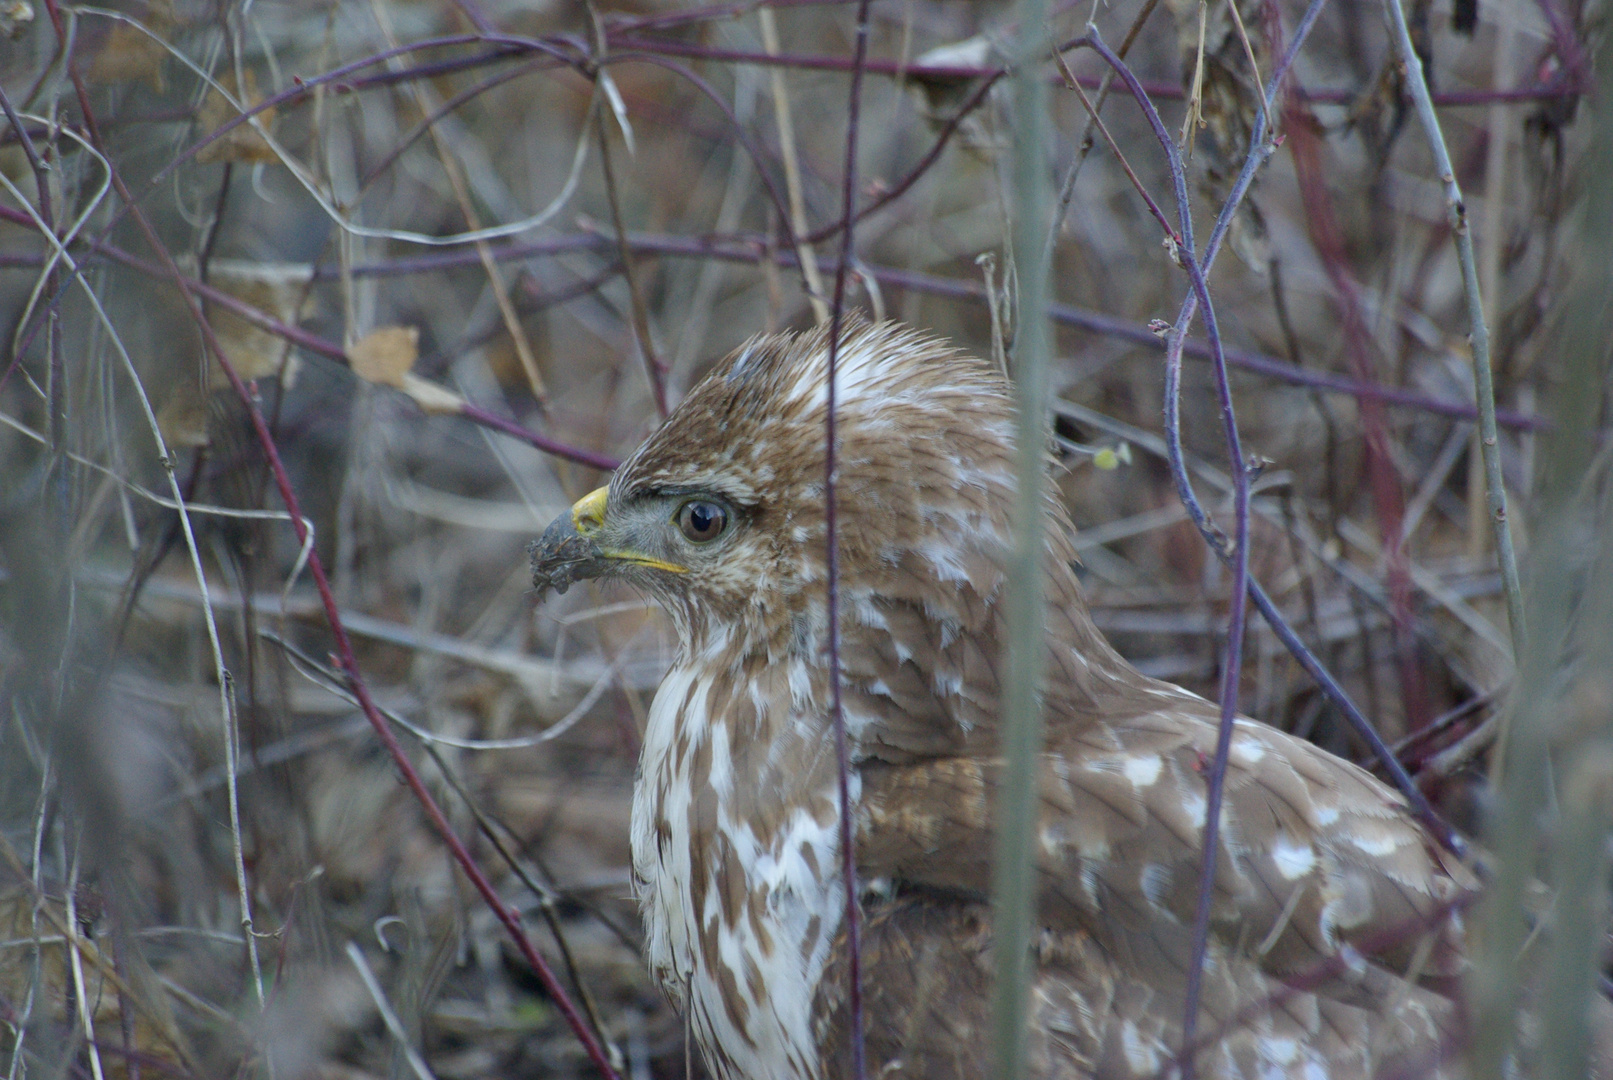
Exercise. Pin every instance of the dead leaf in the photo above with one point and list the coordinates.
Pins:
(242, 143)
(183, 417)
(940, 96)
(25, 917)
(386, 355)
(129, 54)
(279, 291)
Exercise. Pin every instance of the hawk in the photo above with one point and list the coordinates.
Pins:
(1336, 932)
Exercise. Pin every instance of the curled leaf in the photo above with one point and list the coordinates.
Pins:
(386, 355)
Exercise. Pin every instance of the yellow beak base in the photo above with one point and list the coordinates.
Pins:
(588, 512)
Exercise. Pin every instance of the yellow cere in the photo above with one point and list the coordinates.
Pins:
(588, 512)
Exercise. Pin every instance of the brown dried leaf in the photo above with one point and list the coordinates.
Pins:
(242, 143)
(183, 417)
(386, 355)
(25, 917)
(278, 291)
(129, 55)
(939, 97)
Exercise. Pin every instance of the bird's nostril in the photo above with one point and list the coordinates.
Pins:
(588, 513)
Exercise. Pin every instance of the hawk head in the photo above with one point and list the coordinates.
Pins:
(720, 513)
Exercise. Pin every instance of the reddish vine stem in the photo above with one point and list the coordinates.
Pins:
(346, 657)
(1231, 673)
(748, 248)
(1554, 88)
(848, 854)
(1259, 151)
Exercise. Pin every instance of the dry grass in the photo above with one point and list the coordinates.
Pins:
(156, 771)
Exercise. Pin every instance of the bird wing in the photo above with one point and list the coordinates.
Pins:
(1313, 853)
(927, 988)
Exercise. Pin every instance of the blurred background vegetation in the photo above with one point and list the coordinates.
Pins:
(458, 258)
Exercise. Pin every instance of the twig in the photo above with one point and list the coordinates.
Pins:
(792, 169)
(1479, 333)
(57, 405)
(1094, 120)
(1165, 91)
(417, 1064)
(81, 999)
(1085, 144)
(424, 101)
(1258, 153)
(654, 369)
(221, 672)
(344, 648)
(560, 49)
(322, 675)
(848, 853)
(1388, 496)
(1239, 554)
(665, 20)
(1497, 181)
(445, 108)
(323, 347)
(1440, 724)
(683, 71)
(753, 248)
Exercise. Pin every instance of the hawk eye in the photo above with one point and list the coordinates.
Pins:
(702, 521)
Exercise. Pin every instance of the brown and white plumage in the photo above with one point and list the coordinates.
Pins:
(735, 817)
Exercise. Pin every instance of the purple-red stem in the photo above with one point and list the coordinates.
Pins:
(848, 853)
(319, 346)
(963, 73)
(1239, 556)
(344, 645)
(753, 249)
(1215, 781)
(411, 776)
(1259, 152)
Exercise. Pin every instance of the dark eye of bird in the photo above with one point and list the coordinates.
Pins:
(702, 521)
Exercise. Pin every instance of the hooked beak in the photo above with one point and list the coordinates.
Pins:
(575, 547)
